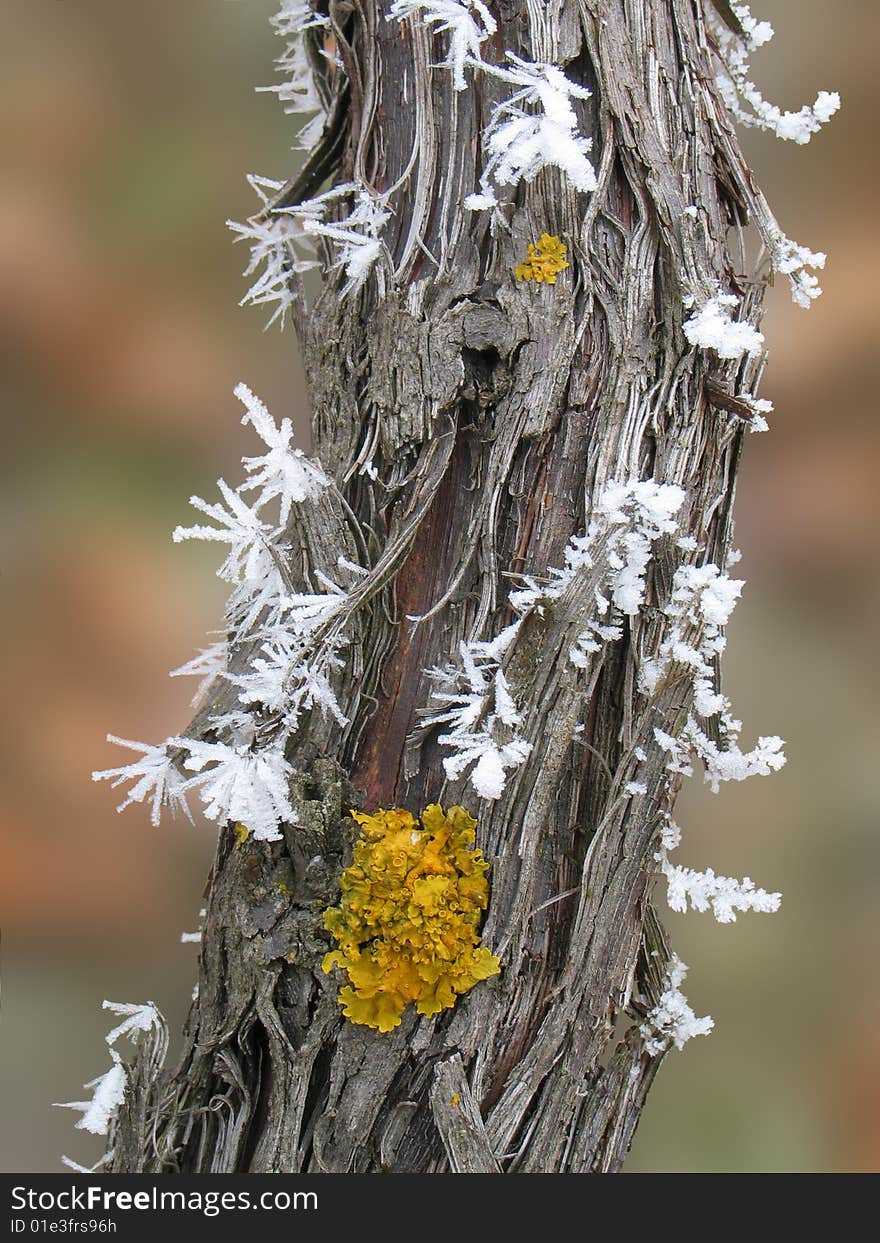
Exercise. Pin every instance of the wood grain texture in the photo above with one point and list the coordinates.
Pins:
(493, 413)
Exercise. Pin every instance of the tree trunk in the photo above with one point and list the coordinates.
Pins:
(493, 412)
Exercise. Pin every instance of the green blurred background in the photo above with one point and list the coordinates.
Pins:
(126, 133)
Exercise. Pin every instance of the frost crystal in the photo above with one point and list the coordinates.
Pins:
(672, 1021)
(239, 526)
(713, 328)
(243, 786)
(99, 1113)
(645, 510)
(476, 698)
(520, 143)
(724, 895)
(794, 261)
(627, 518)
(209, 664)
(748, 106)
(735, 85)
(700, 605)
(135, 1019)
(282, 242)
(109, 1093)
(299, 652)
(636, 787)
(278, 249)
(704, 891)
(482, 717)
(283, 472)
(155, 777)
(98, 1168)
(760, 407)
(256, 554)
(468, 24)
(298, 92)
(296, 16)
(292, 642)
(356, 237)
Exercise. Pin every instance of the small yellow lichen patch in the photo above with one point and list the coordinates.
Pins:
(546, 259)
(454, 1099)
(407, 925)
(242, 833)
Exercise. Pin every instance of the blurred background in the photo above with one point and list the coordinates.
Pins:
(126, 132)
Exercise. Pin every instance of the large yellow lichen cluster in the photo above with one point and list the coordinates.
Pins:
(546, 259)
(407, 925)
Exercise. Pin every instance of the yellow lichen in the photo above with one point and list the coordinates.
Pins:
(546, 259)
(242, 833)
(407, 925)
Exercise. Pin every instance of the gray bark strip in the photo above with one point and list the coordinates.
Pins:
(459, 1121)
(494, 412)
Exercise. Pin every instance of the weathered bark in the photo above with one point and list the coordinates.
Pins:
(494, 411)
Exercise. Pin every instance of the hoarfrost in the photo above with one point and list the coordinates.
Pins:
(535, 128)
(283, 472)
(672, 1021)
(241, 786)
(713, 328)
(744, 99)
(469, 24)
(108, 1093)
(356, 238)
(155, 778)
(481, 716)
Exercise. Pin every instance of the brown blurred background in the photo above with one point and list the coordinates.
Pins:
(126, 134)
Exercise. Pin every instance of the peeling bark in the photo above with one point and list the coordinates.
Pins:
(493, 411)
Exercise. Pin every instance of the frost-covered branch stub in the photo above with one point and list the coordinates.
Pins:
(748, 106)
(745, 101)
